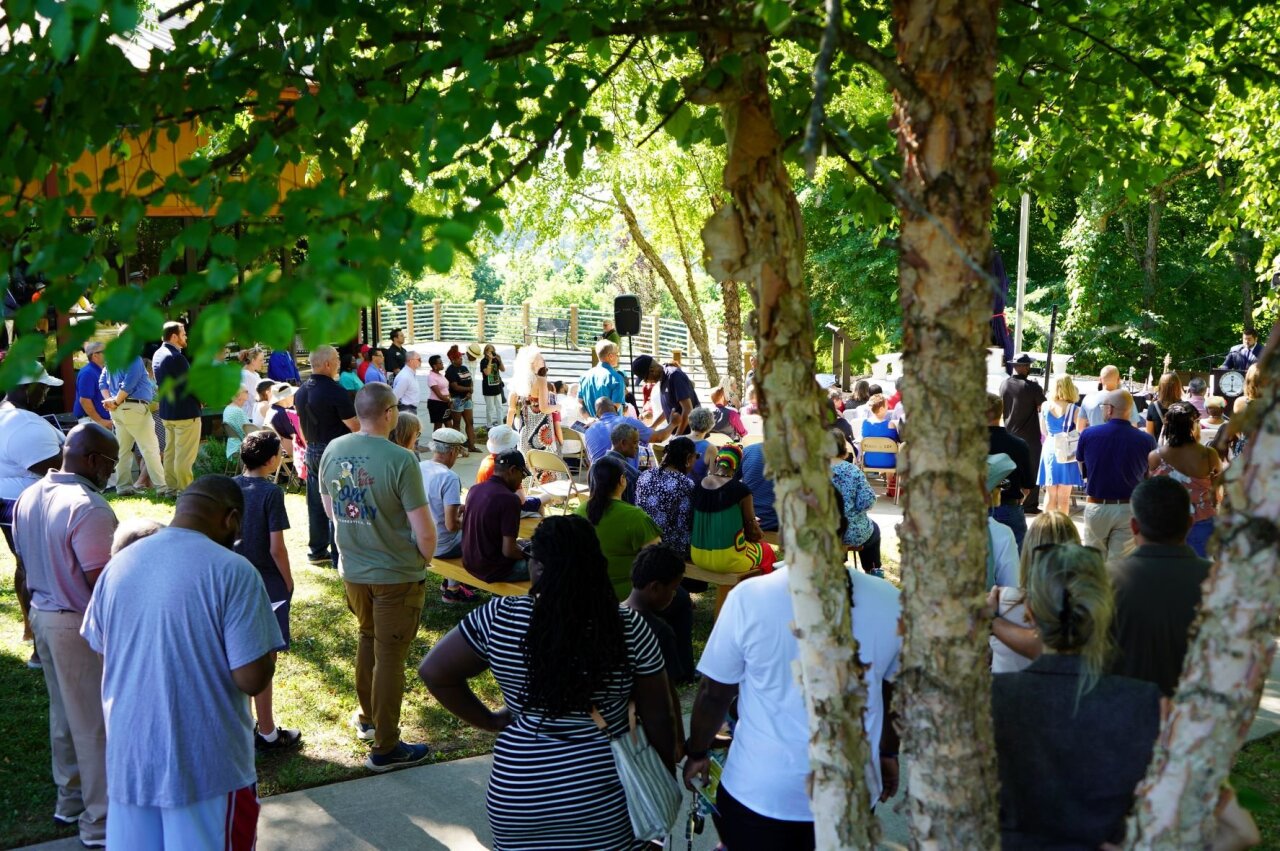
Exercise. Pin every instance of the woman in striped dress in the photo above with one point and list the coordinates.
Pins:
(556, 654)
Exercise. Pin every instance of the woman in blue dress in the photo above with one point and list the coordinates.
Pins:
(878, 424)
(1058, 416)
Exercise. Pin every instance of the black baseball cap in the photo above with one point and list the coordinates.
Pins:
(512, 460)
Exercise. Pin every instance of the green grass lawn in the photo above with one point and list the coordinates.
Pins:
(1257, 781)
(314, 690)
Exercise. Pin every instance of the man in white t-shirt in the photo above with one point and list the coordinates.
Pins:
(1091, 413)
(763, 800)
(30, 446)
(187, 635)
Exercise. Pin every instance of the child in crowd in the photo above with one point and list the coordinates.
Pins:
(655, 579)
(262, 543)
(262, 405)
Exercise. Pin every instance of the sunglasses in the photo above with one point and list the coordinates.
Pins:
(1048, 548)
(113, 460)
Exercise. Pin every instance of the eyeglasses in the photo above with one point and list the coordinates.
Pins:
(110, 458)
(390, 408)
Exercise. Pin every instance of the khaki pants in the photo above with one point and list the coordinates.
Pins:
(388, 616)
(77, 734)
(134, 425)
(1107, 528)
(181, 446)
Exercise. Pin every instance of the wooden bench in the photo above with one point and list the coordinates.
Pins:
(451, 568)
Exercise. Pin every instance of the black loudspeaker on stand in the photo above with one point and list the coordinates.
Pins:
(626, 319)
(626, 315)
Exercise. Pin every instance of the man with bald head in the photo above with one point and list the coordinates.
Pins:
(62, 530)
(186, 631)
(1091, 413)
(325, 413)
(374, 492)
(1113, 458)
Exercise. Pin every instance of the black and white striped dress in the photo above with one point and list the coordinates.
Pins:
(553, 784)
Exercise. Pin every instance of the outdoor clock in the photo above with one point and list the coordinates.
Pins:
(1231, 383)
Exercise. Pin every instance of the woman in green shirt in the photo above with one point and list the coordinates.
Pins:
(347, 376)
(622, 528)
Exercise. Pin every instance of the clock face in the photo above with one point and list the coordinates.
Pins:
(1231, 383)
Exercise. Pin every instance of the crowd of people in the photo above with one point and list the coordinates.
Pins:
(1088, 632)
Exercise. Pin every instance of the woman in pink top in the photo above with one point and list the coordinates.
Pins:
(1197, 467)
(438, 388)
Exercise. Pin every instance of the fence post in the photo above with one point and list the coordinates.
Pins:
(437, 309)
(377, 323)
(573, 326)
(657, 339)
(524, 320)
(480, 319)
(408, 321)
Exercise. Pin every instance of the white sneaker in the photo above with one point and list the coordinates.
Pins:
(364, 732)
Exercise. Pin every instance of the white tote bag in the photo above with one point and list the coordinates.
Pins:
(653, 793)
(1066, 441)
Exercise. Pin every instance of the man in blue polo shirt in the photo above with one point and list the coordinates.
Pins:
(600, 436)
(88, 405)
(129, 396)
(1113, 456)
(603, 381)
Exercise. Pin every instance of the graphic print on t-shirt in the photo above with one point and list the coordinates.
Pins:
(350, 491)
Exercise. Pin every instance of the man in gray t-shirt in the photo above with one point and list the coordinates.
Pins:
(372, 490)
(185, 630)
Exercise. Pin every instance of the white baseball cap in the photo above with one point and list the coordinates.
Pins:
(37, 375)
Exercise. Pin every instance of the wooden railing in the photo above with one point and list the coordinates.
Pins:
(517, 324)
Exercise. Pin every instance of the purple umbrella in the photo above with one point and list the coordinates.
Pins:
(999, 327)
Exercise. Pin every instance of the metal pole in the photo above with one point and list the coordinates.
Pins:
(1048, 364)
(1023, 225)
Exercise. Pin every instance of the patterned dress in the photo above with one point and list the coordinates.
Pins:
(664, 495)
(554, 785)
(719, 542)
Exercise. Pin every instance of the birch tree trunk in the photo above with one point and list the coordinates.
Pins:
(948, 48)
(690, 313)
(731, 299)
(757, 239)
(1230, 654)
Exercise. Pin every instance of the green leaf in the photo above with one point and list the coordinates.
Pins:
(275, 327)
(440, 257)
(678, 125)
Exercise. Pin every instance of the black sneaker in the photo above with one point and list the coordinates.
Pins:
(457, 594)
(319, 561)
(284, 740)
(401, 756)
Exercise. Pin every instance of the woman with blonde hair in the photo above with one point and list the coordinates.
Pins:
(530, 402)
(1014, 640)
(1058, 417)
(1094, 732)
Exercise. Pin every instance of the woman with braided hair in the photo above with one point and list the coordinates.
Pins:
(1071, 742)
(1195, 466)
(726, 535)
(566, 650)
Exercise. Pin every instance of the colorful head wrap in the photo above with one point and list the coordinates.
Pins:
(729, 456)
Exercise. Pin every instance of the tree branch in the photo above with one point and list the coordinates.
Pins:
(180, 9)
(541, 146)
(821, 78)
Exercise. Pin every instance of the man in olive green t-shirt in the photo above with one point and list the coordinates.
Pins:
(373, 492)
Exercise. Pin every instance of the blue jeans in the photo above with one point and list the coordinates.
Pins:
(869, 555)
(319, 526)
(1015, 518)
(518, 572)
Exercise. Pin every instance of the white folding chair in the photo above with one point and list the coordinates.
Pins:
(541, 461)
